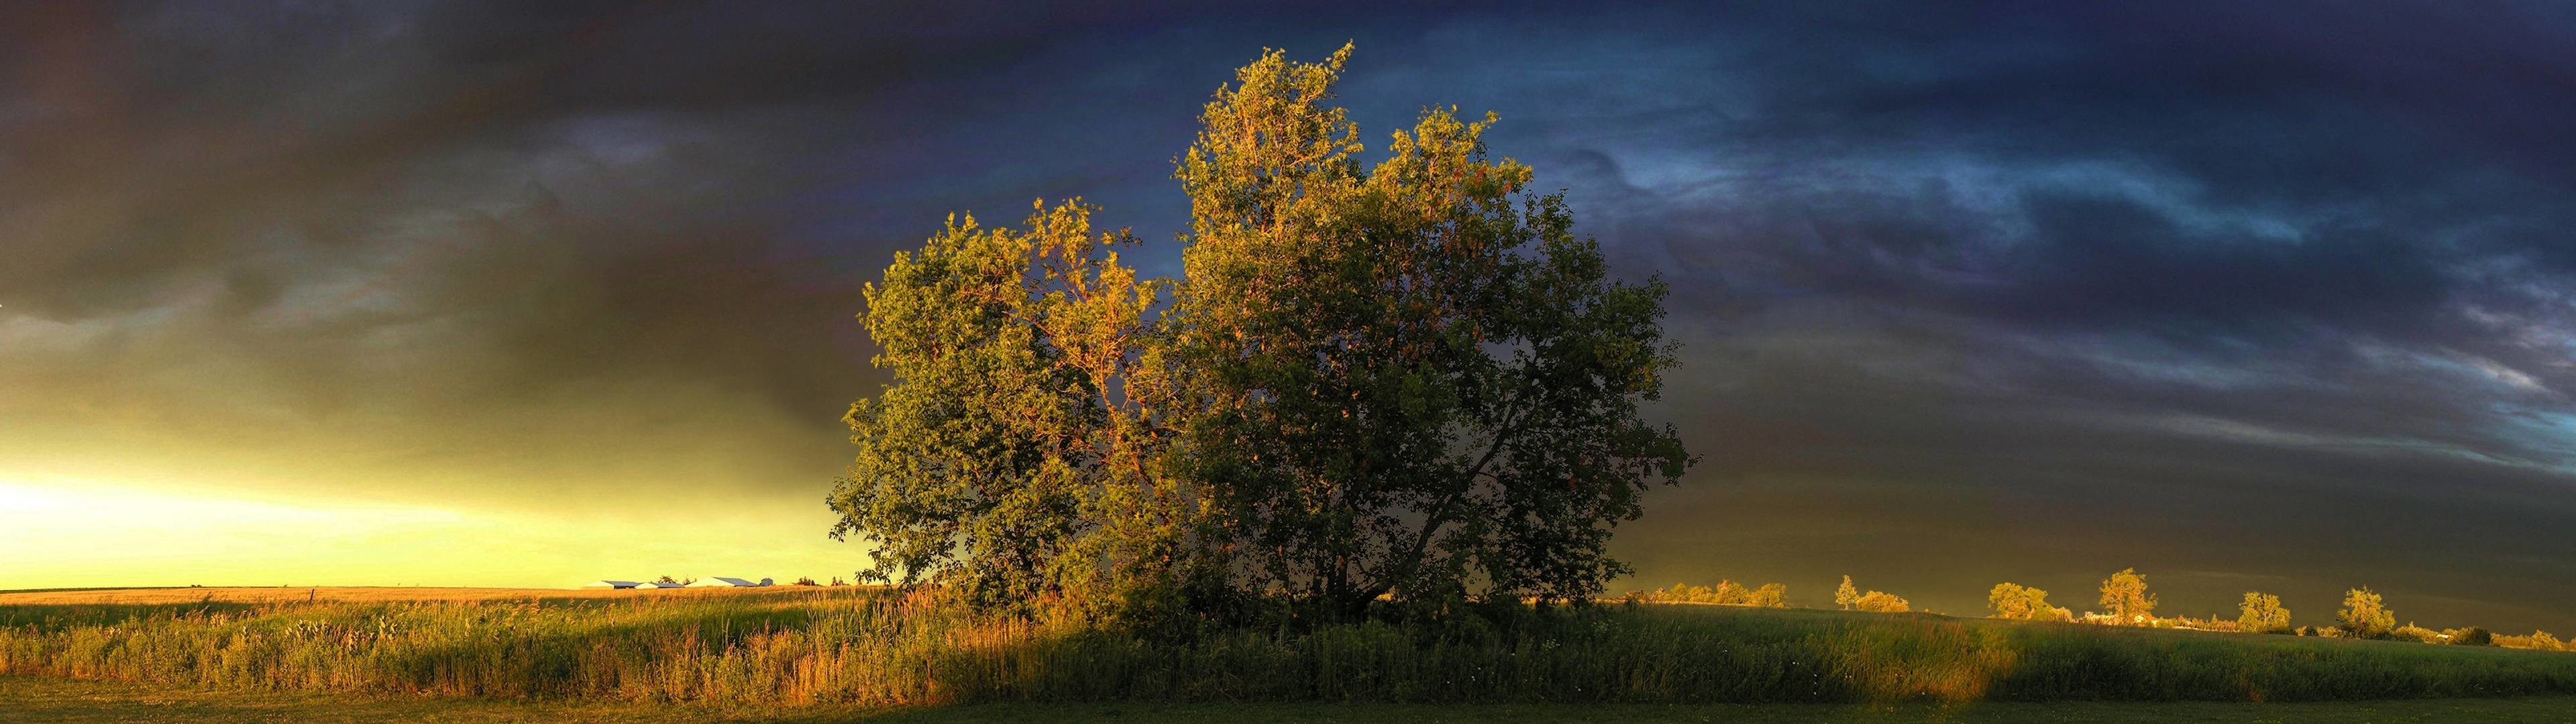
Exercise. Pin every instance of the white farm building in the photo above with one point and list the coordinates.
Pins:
(729, 582)
(611, 584)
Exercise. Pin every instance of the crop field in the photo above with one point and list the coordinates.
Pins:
(857, 647)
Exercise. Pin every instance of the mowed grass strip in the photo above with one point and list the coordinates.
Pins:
(881, 648)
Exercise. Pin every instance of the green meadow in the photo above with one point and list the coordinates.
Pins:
(870, 647)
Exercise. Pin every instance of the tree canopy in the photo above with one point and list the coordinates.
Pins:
(1407, 380)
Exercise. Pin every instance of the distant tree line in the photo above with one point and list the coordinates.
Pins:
(2364, 615)
(1729, 593)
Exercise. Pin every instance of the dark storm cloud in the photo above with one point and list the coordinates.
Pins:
(2269, 291)
(2272, 295)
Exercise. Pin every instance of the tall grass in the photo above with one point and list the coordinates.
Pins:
(880, 647)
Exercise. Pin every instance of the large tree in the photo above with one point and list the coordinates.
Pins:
(2016, 601)
(2125, 593)
(1408, 379)
(1015, 439)
(2364, 615)
(2262, 613)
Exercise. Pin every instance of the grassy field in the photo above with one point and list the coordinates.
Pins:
(68, 701)
(360, 594)
(872, 648)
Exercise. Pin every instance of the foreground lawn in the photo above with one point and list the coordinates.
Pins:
(880, 648)
(34, 699)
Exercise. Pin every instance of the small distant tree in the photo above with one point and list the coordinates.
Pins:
(1846, 595)
(2125, 594)
(836, 581)
(675, 581)
(806, 581)
(1881, 602)
(2020, 603)
(2471, 636)
(1770, 595)
(2364, 615)
(2417, 634)
(2262, 613)
(1730, 592)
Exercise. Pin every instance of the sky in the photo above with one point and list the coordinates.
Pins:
(2248, 296)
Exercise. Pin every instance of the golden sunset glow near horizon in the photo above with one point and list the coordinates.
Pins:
(100, 536)
(315, 514)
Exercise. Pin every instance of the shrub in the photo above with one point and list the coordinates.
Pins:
(2537, 640)
(1881, 602)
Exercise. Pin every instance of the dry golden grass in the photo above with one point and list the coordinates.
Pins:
(357, 594)
(798, 646)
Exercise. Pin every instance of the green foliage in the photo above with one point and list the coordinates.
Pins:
(2471, 636)
(1411, 379)
(873, 646)
(2364, 616)
(2125, 595)
(2262, 613)
(1001, 455)
(1406, 380)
